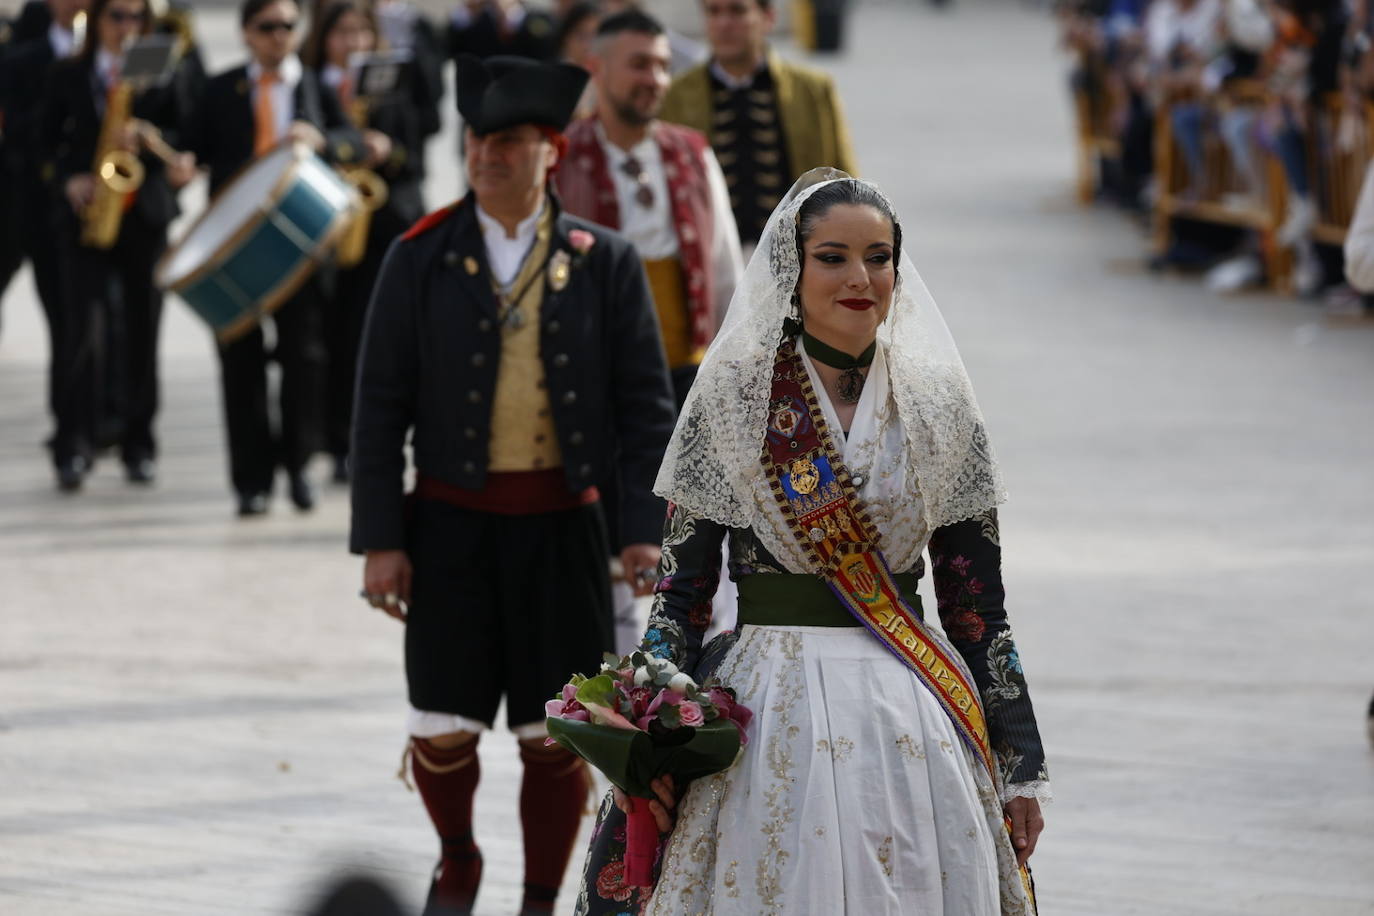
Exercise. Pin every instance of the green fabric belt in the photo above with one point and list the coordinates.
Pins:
(795, 600)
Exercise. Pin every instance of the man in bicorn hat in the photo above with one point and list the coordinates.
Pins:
(516, 347)
(658, 184)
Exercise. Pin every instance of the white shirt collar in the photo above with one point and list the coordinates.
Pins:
(733, 82)
(289, 71)
(62, 41)
(525, 228)
(505, 255)
(641, 150)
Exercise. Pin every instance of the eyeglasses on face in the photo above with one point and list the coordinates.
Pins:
(271, 26)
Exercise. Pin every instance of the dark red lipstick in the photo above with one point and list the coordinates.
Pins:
(858, 305)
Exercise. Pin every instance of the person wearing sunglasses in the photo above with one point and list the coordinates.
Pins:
(246, 112)
(110, 287)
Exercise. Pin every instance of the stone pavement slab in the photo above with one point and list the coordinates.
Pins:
(197, 715)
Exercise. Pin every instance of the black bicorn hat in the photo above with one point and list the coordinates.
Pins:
(502, 91)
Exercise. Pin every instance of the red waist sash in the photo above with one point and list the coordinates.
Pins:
(510, 493)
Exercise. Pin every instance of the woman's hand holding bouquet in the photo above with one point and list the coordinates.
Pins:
(648, 727)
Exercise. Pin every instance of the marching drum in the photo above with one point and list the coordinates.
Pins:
(261, 238)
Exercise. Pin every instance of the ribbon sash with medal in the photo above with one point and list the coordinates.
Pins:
(821, 507)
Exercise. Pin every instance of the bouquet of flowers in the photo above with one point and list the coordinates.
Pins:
(641, 718)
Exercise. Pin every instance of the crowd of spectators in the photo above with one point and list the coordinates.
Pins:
(1240, 128)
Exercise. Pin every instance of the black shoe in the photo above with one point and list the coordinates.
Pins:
(302, 494)
(140, 471)
(71, 473)
(252, 504)
(341, 469)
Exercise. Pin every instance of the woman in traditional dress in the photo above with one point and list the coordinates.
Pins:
(831, 437)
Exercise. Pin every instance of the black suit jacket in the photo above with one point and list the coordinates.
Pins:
(23, 81)
(73, 114)
(536, 37)
(222, 129)
(429, 362)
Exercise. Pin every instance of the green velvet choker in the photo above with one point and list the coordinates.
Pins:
(851, 383)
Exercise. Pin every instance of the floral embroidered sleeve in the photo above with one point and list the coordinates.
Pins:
(688, 575)
(966, 560)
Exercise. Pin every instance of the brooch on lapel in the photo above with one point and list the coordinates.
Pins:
(560, 269)
(561, 264)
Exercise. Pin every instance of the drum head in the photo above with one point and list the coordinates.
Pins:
(245, 200)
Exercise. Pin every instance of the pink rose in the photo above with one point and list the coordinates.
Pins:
(663, 697)
(691, 713)
(581, 240)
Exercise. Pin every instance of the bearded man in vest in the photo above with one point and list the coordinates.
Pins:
(659, 185)
(515, 347)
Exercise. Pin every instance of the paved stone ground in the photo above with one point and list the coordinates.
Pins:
(197, 716)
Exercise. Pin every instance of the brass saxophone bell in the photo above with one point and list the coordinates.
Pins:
(372, 194)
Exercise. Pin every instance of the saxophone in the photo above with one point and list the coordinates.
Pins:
(118, 173)
(372, 191)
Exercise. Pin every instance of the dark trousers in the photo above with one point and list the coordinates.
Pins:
(509, 605)
(104, 287)
(255, 449)
(25, 232)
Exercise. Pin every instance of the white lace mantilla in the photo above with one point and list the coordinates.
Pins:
(934, 443)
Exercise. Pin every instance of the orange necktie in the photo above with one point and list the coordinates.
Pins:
(264, 115)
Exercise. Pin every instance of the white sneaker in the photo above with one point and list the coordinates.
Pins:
(1302, 216)
(1235, 274)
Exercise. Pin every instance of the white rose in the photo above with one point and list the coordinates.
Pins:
(642, 676)
(681, 682)
(666, 667)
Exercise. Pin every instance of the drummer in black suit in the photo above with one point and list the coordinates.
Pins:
(245, 113)
(518, 349)
(395, 123)
(42, 35)
(113, 284)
